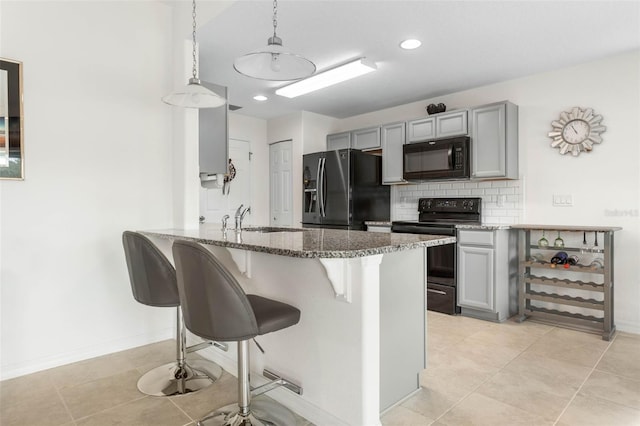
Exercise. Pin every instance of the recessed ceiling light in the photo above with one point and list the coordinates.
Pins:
(260, 98)
(411, 43)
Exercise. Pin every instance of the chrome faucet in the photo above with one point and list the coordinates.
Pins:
(240, 216)
(224, 222)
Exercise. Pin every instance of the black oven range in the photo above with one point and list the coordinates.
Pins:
(439, 216)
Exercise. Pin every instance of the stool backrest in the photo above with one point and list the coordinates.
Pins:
(214, 306)
(152, 276)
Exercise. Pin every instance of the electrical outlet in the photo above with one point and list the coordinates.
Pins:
(563, 200)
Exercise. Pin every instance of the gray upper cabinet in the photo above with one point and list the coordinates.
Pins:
(213, 136)
(437, 126)
(392, 138)
(338, 141)
(494, 141)
(422, 129)
(451, 124)
(366, 138)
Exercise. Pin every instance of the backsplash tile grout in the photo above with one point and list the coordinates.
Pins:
(502, 200)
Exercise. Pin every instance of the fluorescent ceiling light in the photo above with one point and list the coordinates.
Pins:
(260, 98)
(411, 43)
(327, 78)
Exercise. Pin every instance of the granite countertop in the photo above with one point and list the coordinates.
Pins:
(377, 223)
(306, 243)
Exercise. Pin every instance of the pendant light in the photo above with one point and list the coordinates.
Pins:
(272, 62)
(194, 95)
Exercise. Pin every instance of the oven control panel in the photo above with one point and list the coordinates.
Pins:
(451, 205)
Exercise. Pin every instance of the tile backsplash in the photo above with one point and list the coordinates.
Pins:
(502, 200)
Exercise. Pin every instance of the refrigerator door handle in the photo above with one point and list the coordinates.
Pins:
(322, 187)
(319, 186)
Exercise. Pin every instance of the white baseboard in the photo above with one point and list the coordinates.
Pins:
(11, 371)
(628, 327)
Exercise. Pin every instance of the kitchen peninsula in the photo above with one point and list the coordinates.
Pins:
(361, 340)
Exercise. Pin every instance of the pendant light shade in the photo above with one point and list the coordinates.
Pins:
(273, 62)
(194, 95)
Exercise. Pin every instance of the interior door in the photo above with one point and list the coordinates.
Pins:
(214, 204)
(280, 184)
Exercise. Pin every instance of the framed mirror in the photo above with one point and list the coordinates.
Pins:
(11, 119)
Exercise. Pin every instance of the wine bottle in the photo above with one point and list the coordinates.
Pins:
(560, 258)
(571, 260)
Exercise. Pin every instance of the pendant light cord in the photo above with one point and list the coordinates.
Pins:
(193, 15)
(275, 17)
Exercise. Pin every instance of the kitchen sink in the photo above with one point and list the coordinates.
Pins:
(268, 229)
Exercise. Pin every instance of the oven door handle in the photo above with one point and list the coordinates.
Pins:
(430, 290)
(425, 230)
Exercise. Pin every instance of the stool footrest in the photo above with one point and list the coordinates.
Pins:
(206, 344)
(276, 381)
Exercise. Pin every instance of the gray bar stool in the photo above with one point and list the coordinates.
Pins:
(153, 282)
(215, 307)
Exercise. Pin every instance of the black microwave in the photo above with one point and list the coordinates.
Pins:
(439, 159)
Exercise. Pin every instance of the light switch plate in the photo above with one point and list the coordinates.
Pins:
(563, 200)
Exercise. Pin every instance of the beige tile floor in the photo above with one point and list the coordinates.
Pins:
(482, 373)
(479, 373)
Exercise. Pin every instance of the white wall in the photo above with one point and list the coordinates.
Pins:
(605, 184)
(98, 160)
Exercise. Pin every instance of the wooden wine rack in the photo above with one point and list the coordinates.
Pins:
(536, 290)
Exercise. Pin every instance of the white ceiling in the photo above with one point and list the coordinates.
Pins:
(466, 44)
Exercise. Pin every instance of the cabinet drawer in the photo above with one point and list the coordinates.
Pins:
(478, 238)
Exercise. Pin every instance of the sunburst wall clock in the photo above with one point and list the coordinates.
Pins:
(576, 131)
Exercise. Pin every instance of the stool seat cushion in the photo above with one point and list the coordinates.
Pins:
(272, 315)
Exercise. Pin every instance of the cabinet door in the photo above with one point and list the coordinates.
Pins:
(338, 141)
(366, 138)
(451, 124)
(420, 130)
(392, 138)
(475, 277)
(213, 135)
(488, 146)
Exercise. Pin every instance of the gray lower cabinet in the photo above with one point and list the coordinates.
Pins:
(338, 141)
(392, 138)
(487, 272)
(494, 141)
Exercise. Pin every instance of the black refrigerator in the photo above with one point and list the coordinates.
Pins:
(343, 189)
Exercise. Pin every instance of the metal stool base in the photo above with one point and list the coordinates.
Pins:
(263, 413)
(169, 379)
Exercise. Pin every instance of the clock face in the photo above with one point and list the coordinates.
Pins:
(576, 131)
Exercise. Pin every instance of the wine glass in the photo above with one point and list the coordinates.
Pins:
(585, 246)
(558, 242)
(543, 242)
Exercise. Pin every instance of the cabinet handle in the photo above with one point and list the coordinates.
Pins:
(436, 291)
